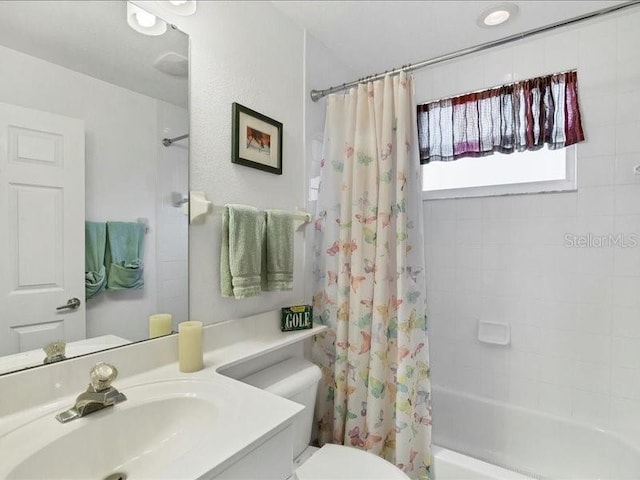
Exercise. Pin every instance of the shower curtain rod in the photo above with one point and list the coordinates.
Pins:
(318, 94)
(168, 141)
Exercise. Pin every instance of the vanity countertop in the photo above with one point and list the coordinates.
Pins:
(236, 341)
(251, 415)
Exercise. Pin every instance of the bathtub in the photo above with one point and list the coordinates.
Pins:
(450, 465)
(533, 444)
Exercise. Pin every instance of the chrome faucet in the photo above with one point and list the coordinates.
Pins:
(100, 394)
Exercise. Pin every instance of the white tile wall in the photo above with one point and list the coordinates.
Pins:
(574, 312)
(171, 222)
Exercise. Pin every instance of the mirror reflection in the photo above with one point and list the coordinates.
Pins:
(85, 104)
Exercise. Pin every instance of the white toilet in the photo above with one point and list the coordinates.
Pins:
(297, 380)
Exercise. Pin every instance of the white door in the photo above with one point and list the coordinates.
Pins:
(41, 228)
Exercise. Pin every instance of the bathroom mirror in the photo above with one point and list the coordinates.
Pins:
(85, 103)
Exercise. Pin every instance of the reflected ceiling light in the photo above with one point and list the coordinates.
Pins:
(144, 22)
(172, 64)
(497, 15)
(179, 7)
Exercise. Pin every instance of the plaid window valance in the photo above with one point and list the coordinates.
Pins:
(520, 116)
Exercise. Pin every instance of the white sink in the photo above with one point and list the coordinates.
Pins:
(173, 425)
(141, 437)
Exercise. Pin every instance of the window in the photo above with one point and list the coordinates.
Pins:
(536, 171)
(507, 139)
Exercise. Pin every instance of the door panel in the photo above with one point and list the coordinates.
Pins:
(33, 337)
(41, 228)
(32, 146)
(36, 212)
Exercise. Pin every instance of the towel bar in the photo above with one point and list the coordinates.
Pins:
(198, 206)
(145, 222)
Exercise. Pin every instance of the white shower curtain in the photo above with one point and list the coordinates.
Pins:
(369, 278)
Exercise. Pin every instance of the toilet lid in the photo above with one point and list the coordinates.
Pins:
(337, 462)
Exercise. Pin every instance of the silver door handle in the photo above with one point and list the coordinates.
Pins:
(72, 304)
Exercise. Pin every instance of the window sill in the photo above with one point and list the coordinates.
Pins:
(558, 186)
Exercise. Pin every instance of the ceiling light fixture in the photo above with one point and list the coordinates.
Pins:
(497, 15)
(145, 19)
(496, 18)
(144, 22)
(179, 7)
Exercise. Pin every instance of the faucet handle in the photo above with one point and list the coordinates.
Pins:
(54, 352)
(102, 374)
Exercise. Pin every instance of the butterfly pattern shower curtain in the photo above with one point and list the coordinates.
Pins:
(369, 278)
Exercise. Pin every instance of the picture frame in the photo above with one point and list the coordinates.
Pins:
(256, 140)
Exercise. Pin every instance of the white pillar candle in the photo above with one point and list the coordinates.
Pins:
(160, 324)
(190, 346)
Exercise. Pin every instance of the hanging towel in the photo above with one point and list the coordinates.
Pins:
(125, 250)
(241, 251)
(95, 239)
(279, 250)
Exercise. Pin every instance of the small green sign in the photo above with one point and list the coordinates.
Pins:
(297, 317)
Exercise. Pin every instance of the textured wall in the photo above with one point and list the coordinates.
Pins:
(252, 54)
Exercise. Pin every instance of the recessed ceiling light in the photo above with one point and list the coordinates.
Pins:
(145, 19)
(496, 18)
(497, 15)
(180, 7)
(144, 22)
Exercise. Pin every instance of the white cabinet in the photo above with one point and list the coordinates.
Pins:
(271, 460)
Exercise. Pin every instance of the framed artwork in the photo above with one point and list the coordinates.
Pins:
(256, 140)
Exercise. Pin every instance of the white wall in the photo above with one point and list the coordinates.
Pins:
(123, 131)
(250, 53)
(574, 312)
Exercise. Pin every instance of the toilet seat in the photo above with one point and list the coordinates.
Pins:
(337, 462)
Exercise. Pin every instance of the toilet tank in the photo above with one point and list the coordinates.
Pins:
(297, 380)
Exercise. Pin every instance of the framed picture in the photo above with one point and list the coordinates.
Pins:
(256, 140)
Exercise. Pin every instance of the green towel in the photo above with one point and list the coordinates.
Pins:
(95, 238)
(241, 251)
(279, 250)
(124, 257)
